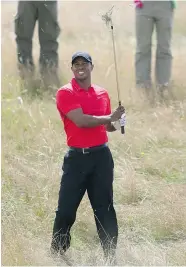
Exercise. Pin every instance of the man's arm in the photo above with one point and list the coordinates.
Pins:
(68, 105)
(87, 121)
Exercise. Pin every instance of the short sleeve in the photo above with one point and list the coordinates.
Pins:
(66, 101)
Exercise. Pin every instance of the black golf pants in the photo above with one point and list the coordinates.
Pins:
(92, 172)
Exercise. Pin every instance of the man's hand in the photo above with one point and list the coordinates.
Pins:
(116, 115)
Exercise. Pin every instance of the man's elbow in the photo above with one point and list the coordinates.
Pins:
(80, 125)
(78, 121)
(77, 117)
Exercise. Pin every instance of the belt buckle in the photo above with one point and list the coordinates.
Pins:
(85, 152)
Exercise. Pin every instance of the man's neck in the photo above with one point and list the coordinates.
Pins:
(84, 84)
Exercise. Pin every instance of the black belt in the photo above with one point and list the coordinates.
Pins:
(87, 150)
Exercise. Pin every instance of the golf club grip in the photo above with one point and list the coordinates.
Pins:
(122, 127)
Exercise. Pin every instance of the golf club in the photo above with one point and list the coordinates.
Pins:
(108, 20)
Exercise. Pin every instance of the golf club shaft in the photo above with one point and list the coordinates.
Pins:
(116, 71)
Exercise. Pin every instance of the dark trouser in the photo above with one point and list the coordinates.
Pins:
(92, 172)
(46, 14)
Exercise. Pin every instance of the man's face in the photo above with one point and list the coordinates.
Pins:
(81, 69)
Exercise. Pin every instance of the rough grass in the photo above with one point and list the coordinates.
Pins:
(150, 160)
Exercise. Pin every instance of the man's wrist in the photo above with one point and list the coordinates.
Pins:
(110, 119)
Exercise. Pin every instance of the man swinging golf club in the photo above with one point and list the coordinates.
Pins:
(88, 165)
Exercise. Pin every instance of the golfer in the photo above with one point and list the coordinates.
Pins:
(88, 165)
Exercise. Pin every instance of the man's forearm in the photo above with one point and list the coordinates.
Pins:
(89, 121)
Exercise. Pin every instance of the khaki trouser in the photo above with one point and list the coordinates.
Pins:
(46, 14)
(159, 14)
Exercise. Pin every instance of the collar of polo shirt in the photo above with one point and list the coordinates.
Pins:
(76, 86)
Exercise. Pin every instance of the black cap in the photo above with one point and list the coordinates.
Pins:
(82, 54)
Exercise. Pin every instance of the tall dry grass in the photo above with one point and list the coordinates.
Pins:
(150, 160)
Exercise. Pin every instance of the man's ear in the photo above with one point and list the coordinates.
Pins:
(92, 67)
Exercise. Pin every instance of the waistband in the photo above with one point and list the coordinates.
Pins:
(87, 150)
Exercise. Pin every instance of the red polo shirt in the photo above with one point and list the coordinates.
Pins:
(95, 101)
